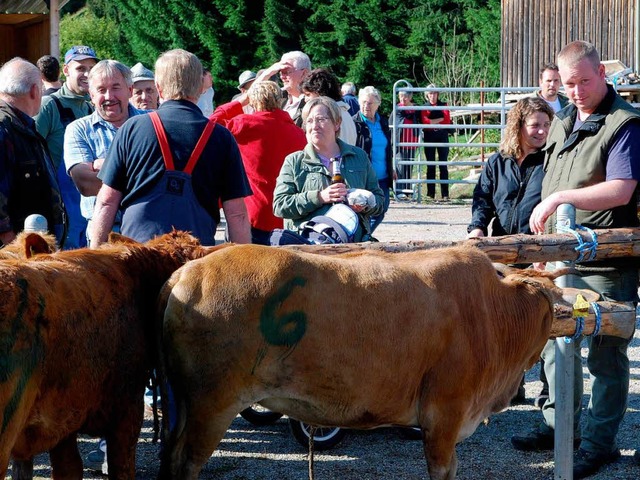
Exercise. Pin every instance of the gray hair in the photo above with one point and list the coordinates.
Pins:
(369, 90)
(18, 76)
(110, 68)
(348, 88)
(298, 59)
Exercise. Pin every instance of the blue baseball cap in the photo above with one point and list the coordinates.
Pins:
(79, 52)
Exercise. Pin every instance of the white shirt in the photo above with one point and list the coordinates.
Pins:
(205, 102)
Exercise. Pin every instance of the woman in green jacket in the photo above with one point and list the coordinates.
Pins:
(304, 188)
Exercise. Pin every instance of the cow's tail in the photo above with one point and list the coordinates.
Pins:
(171, 426)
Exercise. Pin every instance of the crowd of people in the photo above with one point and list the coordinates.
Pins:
(142, 152)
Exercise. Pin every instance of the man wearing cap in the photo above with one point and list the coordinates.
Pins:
(145, 94)
(87, 140)
(27, 177)
(57, 111)
(245, 81)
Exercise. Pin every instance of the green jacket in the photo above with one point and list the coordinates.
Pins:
(50, 125)
(303, 176)
(564, 100)
(579, 159)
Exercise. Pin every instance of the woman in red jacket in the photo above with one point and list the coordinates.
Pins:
(265, 138)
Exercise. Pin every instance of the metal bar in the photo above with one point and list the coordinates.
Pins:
(448, 144)
(636, 25)
(459, 111)
(438, 126)
(466, 163)
(448, 182)
(563, 431)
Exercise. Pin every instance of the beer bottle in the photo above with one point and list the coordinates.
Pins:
(337, 174)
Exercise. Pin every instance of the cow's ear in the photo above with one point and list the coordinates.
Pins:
(117, 238)
(34, 244)
(569, 295)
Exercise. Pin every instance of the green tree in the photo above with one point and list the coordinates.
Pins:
(370, 42)
(85, 28)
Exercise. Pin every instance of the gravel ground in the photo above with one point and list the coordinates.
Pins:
(271, 453)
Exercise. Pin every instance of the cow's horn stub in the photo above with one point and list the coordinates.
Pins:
(563, 271)
(503, 270)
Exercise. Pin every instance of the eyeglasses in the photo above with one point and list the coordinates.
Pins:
(289, 71)
(538, 126)
(319, 120)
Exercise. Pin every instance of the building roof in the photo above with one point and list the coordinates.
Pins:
(27, 6)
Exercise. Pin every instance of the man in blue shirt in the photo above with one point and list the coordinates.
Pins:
(87, 140)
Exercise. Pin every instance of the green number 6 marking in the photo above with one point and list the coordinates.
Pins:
(288, 329)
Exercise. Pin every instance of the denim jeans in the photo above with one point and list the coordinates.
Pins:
(384, 184)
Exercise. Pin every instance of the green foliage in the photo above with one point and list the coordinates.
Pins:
(85, 28)
(369, 42)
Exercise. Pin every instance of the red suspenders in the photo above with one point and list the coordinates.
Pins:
(166, 151)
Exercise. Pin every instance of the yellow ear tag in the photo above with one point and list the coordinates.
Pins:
(580, 307)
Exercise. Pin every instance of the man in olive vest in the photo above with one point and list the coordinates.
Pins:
(593, 163)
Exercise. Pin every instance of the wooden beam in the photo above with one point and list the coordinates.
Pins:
(612, 243)
(618, 319)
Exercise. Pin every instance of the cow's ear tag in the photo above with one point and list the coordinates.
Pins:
(580, 307)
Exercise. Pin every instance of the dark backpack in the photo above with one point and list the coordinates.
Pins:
(66, 114)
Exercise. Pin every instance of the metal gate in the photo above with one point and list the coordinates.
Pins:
(471, 122)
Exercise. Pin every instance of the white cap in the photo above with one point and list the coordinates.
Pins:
(35, 223)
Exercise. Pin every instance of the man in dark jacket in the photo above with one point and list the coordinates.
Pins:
(27, 178)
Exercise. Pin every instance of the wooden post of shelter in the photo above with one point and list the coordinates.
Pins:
(54, 27)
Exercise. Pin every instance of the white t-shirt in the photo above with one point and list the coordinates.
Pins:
(555, 105)
(205, 102)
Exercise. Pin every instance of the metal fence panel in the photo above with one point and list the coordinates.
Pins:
(468, 123)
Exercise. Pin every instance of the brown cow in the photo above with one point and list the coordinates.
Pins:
(431, 339)
(75, 333)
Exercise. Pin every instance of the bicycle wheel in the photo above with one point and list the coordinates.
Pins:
(324, 438)
(260, 416)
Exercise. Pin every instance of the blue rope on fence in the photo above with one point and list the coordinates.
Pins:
(598, 314)
(583, 247)
(580, 324)
(579, 330)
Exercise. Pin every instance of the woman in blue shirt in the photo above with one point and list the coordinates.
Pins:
(374, 137)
